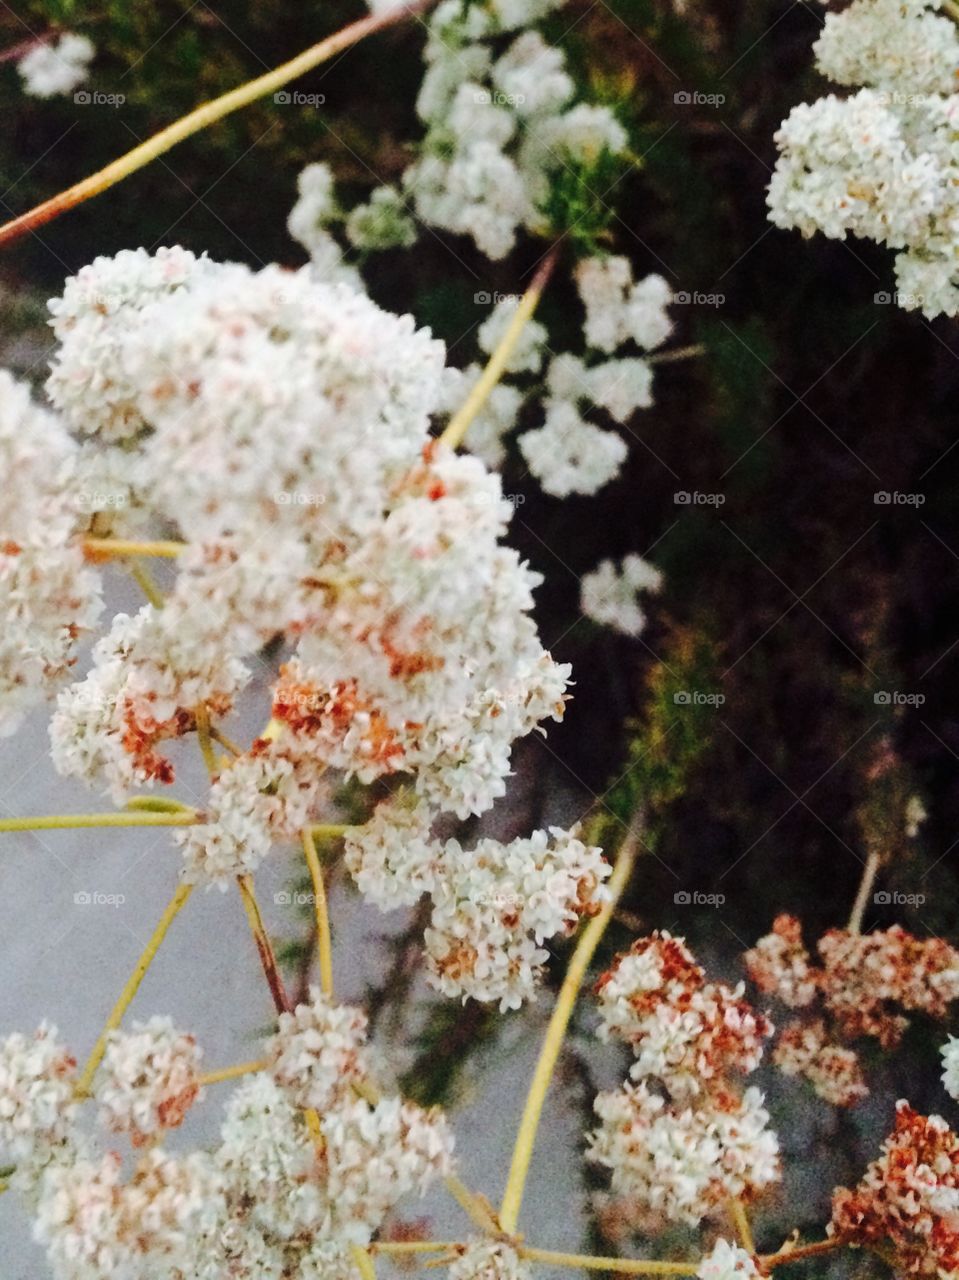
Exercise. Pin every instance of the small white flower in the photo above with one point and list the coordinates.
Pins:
(609, 595)
(37, 1096)
(950, 1062)
(569, 455)
(495, 905)
(728, 1262)
(52, 68)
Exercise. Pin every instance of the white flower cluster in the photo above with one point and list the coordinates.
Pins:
(834, 1071)
(55, 67)
(96, 1226)
(493, 906)
(686, 1032)
(384, 222)
(684, 1163)
(728, 1262)
(319, 1052)
(569, 454)
(150, 1079)
(498, 127)
(281, 425)
(286, 1193)
(881, 163)
(37, 1103)
(683, 1140)
(276, 1198)
(49, 598)
(608, 595)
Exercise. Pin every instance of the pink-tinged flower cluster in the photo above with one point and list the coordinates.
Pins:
(863, 986)
(493, 906)
(833, 1070)
(149, 1079)
(684, 1139)
(319, 1052)
(908, 1202)
(865, 976)
(685, 1031)
(279, 1195)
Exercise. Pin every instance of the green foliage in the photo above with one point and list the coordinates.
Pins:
(665, 745)
(578, 207)
(446, 1048)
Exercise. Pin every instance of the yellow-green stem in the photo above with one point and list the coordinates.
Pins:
(205, 115)
(68, 821)
(625, 1266)
(324, 944)
(175, 905)
(677, 353)
(556, 1031)
(103, 548)
(144, 580)
(364, 1263)
(204, 738)
(232, 1073)
(473, 1205)
(737, 1211)
(461, 421)
(412, 1246)
(157, 804)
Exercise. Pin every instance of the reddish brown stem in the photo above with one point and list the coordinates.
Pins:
(264, 948)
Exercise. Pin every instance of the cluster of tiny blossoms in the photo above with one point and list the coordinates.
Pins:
(493, 906)
(881, 163)
(861, 988)
(684, 1139)
(500, 117)
(569, 454)
(276, 1197)
(908, 1200)
(279, 425)
(49, 598)
(502, 123)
